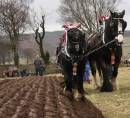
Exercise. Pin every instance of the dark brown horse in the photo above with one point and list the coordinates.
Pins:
(72, 61)
(105, 52)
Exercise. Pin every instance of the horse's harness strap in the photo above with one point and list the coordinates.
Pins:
(103, 33)
(120, 32)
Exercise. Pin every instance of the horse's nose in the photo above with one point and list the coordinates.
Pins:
(120, 38)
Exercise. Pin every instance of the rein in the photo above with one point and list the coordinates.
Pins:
(100, 47)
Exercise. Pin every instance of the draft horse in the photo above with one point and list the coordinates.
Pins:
(72, 61)
(105, 50)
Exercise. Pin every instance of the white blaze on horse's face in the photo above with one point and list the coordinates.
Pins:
(120, 37)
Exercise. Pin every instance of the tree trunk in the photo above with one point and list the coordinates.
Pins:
(3, 59)
(16, 57)
(42, 50)
(15, 51)
(9, 58)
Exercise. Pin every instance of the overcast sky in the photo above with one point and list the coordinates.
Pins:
(52, 17)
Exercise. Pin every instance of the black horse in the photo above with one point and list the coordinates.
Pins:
(72, 60)
(105, 50)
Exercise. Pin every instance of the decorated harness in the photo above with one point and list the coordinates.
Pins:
(67, 27)
(102, 20)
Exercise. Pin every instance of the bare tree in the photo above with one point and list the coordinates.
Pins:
(40, 36)
(38, 24)
(86, 12)
(14, 16)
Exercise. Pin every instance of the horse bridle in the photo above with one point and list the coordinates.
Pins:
(118, 20)
(68, 44)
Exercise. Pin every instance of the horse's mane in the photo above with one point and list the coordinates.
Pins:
(108, 29)
(94, 41)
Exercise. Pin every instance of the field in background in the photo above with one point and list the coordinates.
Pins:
(126, 48)
(115, 104)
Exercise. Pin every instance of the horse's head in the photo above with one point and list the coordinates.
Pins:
(117, 25)
(76, 43)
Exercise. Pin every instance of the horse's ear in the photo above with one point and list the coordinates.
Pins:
(124, 25)
(123, 13)
(112, 14)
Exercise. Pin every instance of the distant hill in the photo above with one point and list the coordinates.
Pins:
(127, 33)
(51, 41)
(126, 48)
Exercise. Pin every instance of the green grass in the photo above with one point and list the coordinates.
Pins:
(126, 50)
(114, 104)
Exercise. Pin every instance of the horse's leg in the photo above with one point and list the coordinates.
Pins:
(118, 55)
(114, 76)
(68, 82)
(80, 84)
(80, 75)
(80, 90)
(93, 71)
(68, 86)
(107, 75)
(114, 79)
(100, 74)
(66, 67)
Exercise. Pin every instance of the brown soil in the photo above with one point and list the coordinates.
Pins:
(39, 97)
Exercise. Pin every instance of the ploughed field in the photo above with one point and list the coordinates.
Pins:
(40, 97)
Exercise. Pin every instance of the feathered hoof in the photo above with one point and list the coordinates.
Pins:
(68, 94)
(62, 84)
(79, 97)
(103, 89)
(98, 88)
(115, 84)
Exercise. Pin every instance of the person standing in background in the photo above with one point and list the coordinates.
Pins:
(39, 66)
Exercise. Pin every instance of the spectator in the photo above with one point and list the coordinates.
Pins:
(87, 72)
(24, 73)
(39, 65)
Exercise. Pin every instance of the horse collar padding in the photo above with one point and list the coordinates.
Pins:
(65, 44)
(103, 32)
